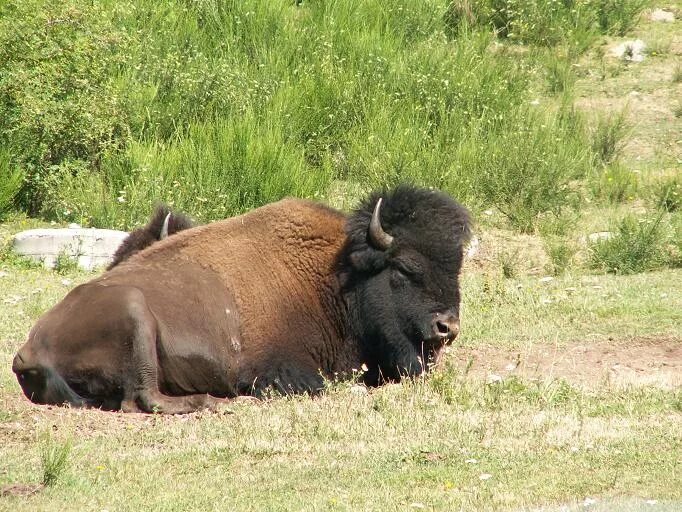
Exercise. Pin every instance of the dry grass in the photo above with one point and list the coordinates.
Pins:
(428, 443)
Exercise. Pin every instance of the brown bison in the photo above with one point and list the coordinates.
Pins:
(278, 298)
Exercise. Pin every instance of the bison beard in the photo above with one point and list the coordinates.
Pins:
(279, 298)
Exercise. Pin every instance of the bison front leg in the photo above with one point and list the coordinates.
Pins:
(142, 393)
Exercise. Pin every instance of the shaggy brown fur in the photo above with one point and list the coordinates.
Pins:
(276, 298)
(145, 236)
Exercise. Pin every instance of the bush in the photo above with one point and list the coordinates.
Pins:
(58, 94)
(608, 137)
(636, 246)
(615, 184)
(529, 168)
(667, 194)
(546, 22)
(215, 171)
(560, 253)
(618, 17)
(10, 182)
(221, 106)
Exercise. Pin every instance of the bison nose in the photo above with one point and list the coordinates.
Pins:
(445, 326)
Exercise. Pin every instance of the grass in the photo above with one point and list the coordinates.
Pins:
(54, 456)
(608, 136)
(677, 74)
(615, 184)
(422, 443)
(309, 454)
(667, 193)
(220, 106)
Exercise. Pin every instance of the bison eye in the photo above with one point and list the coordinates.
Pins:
(408, 270)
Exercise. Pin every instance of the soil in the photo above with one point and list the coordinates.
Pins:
(639, 361)
(20, 489)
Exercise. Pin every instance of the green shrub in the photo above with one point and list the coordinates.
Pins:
(618, 17)
(636, 245)
(676, 242)
(667, 193)
(65, 263)
(547, 22)
(614, 184)
(608, 137)
(10, 182)
(54, 457)
(214, 171)
(111, 106)
(560, 74)
(529, 168)
(560, 252)
(58, 95)
(509, 262)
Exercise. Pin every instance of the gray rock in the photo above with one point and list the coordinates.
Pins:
(91, 247)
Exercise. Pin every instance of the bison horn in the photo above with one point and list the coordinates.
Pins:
(164, 228)
(379, 238)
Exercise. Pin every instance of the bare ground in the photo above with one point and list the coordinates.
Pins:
(641, 361)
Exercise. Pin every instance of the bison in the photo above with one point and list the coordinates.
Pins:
(280, 298)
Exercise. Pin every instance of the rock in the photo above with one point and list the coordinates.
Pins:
(662, 15)
(473, 247)
(358, 389)
(599, 236)
(90, 247)
(630, 50)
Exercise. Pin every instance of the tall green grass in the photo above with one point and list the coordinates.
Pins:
(10, 181)
(220, 106)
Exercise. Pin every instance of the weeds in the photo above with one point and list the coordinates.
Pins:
(667, 194)
(658, 46)
(10, 258)
(608, 136)
(560, 253)
(54, 457)
(10, 182)
(65, 263)
(188, 104)
(615, 184)
(560, 75)
(636, 246)
(509, 263)
(618, 17)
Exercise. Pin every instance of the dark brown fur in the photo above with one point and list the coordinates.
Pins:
(145, 236)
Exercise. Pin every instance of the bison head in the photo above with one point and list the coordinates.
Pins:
(399, 271)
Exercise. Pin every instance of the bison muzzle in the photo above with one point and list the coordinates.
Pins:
(279, 298)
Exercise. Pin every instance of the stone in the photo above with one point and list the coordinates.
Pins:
(90, 247)
(662, 15)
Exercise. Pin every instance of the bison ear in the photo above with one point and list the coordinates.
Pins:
(368, 260)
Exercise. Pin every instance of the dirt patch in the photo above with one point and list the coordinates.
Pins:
(21, 489)
(640, 361)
